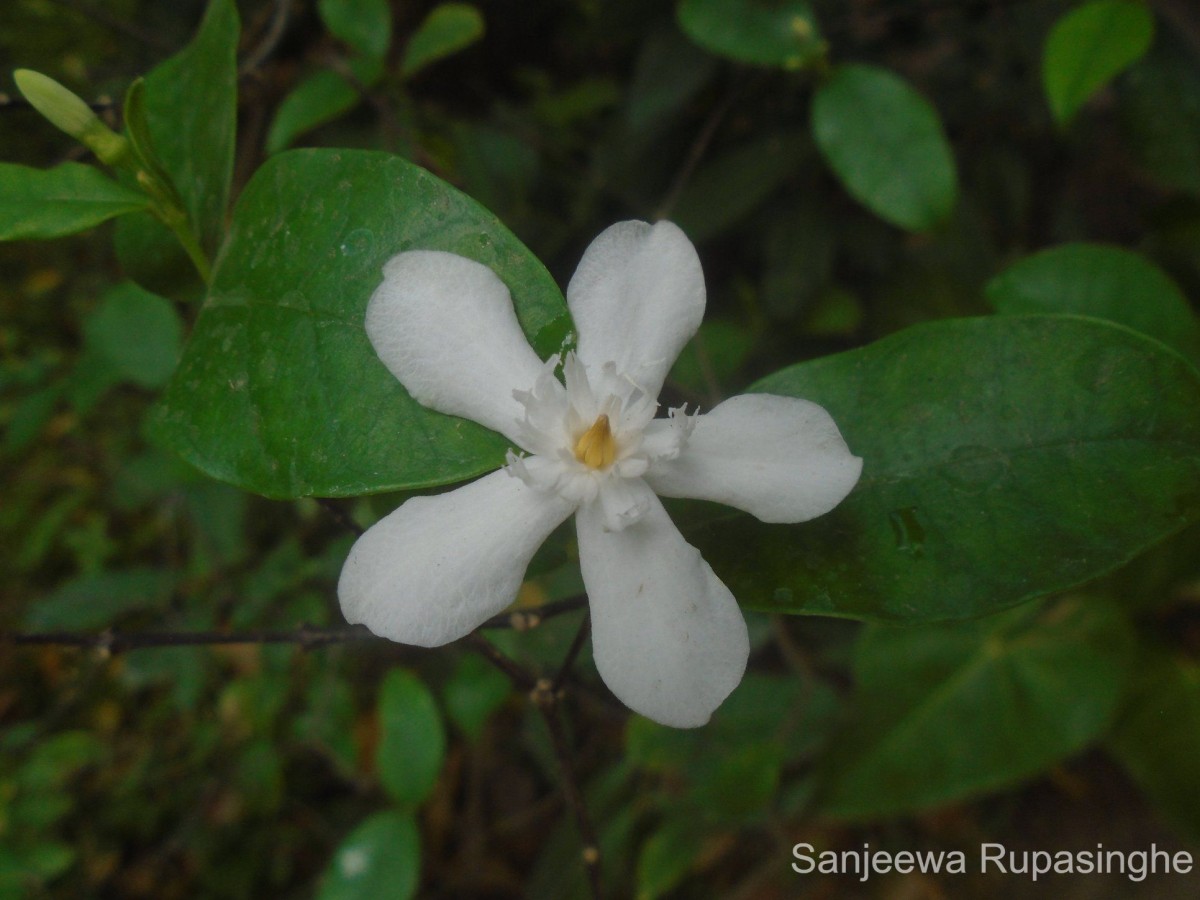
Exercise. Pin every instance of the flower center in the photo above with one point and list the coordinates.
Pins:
(596, 448)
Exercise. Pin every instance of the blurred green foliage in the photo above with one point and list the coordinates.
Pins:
(848, 170)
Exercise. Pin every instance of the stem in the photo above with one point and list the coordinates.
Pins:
(177, 221)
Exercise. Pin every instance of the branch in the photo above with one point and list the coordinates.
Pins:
(306, 636)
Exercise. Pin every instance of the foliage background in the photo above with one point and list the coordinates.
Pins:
(250, 770)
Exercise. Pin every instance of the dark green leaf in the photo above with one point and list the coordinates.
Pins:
(1088, 47)
(1168, 146)
(380, 858)
(365, 25)
(138, 333)
(736, 182)
(1105, 282)
(49, 203)
(755, 31)
(669, 72)
(706, 364)
(191, 112)
(279, 390)
(1005, 458)
(90, 601)
(411, 741)
(667, 855)
(475, 691)
(450, 27)
(318, 99)
(947, 712)
(1158, 737)
(885, 142)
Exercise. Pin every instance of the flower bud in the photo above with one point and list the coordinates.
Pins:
(68, 112)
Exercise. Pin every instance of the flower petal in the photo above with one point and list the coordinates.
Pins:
(445, 326)
(437, 567)
(637, 298)
(780, 459)
(667, 635)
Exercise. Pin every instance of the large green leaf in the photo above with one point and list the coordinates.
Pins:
(945, 712)
(380, 858)
(755, 31)
(1003, 459)
(885, 142)
(1158, 737)
(1105, 282)
(1088, 47)
(279, 390)
(191, 110)
(50, 203)
(412, 743)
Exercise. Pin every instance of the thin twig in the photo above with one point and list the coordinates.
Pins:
(695, 153)
(548, 704)
(112, 641)
(270, 40)
(564, 671)
(340, 516)
(531, 617)
(518, 674)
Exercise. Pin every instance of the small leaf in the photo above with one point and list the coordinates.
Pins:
(765, 33)
(191, 113)
(412, 742)
(319, 98)
(736, 182)
(365, 25)
(279, 390)
(1157, 738)
(1004, 459)
(138, 333)
(450, 27)
(380, 858)
(1167, 146)
(667, 855)
(49, 203)
(1105, 282)
(473, 693)
(885, 142)
(90, 601)
(1088, 47)
(953, 711)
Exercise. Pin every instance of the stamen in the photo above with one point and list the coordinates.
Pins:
(596, 448)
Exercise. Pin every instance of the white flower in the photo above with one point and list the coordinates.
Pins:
(668, 637)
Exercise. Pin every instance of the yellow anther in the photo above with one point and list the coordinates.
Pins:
(596, 448)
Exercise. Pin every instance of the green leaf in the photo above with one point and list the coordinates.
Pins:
(138, 333)
(709, 359)
(319, 98)
(365, 25)
(90, 601)
(380, 858)
(1105, 282)
(1157, 738)
(279, 390)
(191, 113)
(473, 693)
(755, 31)
(1167, 146)
(666, 856)
(49, 203)
(948, 712)
(448, 28)
(670, 70)
(985, 444)
(1088, 47)
(736, 182)
(412, 743)
(885, 142)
